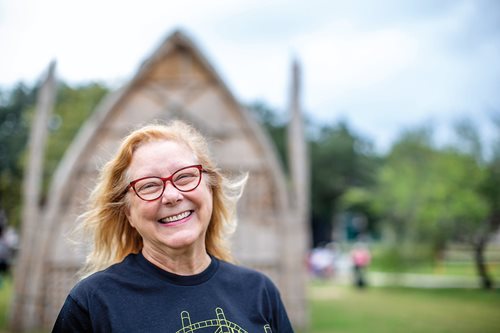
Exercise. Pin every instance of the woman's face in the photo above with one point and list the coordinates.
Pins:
(176, 220)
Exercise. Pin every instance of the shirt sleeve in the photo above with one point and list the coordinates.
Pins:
(72, 318)
(283, 322)
(280, 322)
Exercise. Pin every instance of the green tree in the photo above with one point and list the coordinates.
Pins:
(431, 192)
(275, 126)
(430, 195)
(490, 189)
(397, 194)
(15, 109)
(340, 160)
(73, 106)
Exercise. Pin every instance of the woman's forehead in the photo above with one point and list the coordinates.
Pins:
(161, 148)
(161, 156)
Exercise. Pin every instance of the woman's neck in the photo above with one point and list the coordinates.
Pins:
(180, 262)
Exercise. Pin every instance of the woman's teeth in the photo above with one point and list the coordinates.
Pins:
(174, 218)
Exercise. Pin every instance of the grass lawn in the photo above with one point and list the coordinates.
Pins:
(5, 297)
(345, 309)
(456, 269)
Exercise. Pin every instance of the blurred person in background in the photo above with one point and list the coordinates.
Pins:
(361, 258)
(321, 262)
(160, 216)
(5, 254)
(8, 245)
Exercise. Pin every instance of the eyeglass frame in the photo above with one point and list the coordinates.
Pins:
(165, 179)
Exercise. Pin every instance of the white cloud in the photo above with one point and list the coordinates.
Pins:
(382, 65)
(341, 61)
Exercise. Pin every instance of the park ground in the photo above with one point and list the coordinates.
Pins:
(342, 308)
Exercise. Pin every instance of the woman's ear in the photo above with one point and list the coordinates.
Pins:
(126, 210)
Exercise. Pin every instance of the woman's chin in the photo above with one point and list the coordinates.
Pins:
(182, 241)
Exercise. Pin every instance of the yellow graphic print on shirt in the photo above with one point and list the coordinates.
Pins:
(220, 323)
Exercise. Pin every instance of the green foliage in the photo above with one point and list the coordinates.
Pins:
(401, 257)
(73, 106)
(15, 109)
(275, 127)
(341, 160)
(359, 201)
(490, 187)
(426, 194)
(418, 192)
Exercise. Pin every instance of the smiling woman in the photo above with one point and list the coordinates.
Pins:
(160, 217)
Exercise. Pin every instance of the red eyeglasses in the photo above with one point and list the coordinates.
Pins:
(151, 188)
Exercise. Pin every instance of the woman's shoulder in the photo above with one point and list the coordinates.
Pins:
(247, 282)
(244, 273)
(104, 278)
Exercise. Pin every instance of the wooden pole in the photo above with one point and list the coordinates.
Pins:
(297, 231)
(23, 312)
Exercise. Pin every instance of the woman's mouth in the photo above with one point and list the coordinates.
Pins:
(175, 218)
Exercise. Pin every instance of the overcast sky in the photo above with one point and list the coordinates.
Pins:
(381, 65)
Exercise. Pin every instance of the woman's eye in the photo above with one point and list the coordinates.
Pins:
(184, 177)
(149, 186)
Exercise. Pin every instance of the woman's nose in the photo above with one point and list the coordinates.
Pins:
(171, 195)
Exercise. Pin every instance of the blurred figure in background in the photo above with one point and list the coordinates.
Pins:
(5, 253)
(361, 258)
(8, 246)
(321, 262)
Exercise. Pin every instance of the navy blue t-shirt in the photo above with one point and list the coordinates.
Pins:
(137, 296)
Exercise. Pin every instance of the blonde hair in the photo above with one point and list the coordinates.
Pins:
(112, 236)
